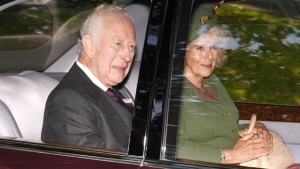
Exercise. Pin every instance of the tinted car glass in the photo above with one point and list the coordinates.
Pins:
(262, 64)
(157, 103)
(26, 28)
(42, 33)
(36, 33)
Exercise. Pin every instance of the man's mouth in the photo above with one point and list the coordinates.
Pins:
(120, 68)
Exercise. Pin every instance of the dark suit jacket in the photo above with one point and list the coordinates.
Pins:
(79, 113)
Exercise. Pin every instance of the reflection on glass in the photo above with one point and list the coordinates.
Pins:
(265, 42)
(25, 26)
(33, 34)
(208, 118)
(263, 67)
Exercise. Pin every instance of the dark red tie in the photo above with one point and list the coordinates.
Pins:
(113, 94)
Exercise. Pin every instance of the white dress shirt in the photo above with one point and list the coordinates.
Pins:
(91, 76)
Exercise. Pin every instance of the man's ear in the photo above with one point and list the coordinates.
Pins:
(88, 45)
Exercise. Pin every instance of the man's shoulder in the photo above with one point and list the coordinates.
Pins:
(71, 83)
(75, 84)
(68, 82)
(74, 79)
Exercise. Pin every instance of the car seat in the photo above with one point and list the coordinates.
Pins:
(8, 125)
(23, 97)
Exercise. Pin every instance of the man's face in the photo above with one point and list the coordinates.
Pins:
(201, 56)
(114, 51)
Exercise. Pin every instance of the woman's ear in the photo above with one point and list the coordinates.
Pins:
(88, 45)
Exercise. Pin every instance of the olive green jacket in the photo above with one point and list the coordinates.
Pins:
(206, 126)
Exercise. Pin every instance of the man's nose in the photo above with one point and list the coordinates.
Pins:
(127, 53)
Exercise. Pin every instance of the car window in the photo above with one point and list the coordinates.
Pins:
(34, 34)
(263, 63)
(41, 34)
(25, 27)
(262, 66)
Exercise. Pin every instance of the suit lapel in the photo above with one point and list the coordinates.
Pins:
(123, 113)
(104, 101)
(77, 73)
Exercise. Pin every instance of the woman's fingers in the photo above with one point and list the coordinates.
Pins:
(246, 150)
(247, 136)
(260, 132)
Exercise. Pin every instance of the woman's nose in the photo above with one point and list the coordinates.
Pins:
(208, 54)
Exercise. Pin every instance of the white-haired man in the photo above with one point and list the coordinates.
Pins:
(79, 111)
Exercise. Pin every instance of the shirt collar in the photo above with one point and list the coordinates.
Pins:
(91, 76)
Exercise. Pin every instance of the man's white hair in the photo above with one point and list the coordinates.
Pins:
(93, 25)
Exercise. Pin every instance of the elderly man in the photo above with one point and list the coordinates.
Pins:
(82, 109)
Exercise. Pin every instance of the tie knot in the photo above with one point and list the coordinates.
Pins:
(112, 94)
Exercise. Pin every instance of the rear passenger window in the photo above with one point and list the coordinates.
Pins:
(35, 34)
(24, 32)
(24, 26)
(263, 63)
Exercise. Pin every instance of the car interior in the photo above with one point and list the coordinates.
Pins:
(23, 94)
(288, 131)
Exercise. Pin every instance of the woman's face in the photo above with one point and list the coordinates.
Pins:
(201, 56)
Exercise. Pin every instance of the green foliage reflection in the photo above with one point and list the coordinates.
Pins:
(263, 52)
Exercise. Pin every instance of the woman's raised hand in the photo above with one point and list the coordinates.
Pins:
(247, 148)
